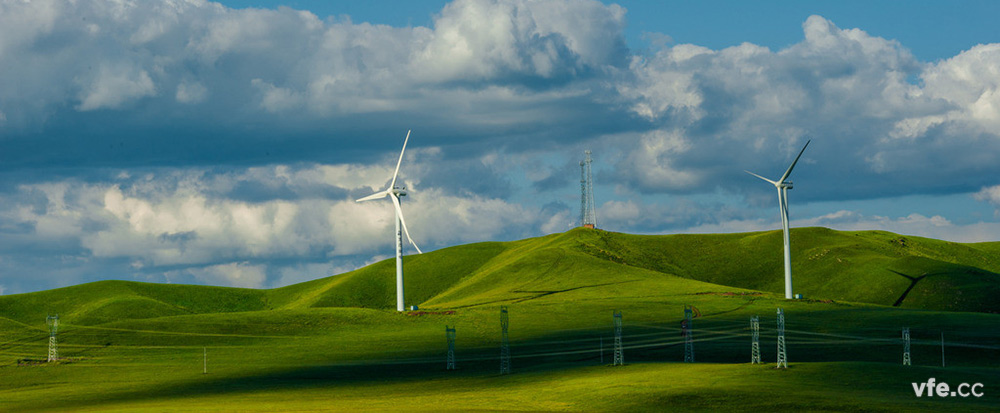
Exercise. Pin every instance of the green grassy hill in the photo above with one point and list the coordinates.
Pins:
(864, 266)
(870, 267)
(104, 301)
(336, 343)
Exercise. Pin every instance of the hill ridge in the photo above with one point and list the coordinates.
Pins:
(874, 267)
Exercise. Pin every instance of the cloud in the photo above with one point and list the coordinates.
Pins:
(989, 194)
(969, 81)
(236, 274)
(651, 163)
(915, 224)
(191, 92)
(480, 40)
(113, 86)
(717, 112)
(193, 223)
(257, 86)
(179, 74)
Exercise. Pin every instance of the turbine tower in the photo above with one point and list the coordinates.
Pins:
(783, 186)
(394, 193)
(588, 211)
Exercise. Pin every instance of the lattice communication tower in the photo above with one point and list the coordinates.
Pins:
(588, 211)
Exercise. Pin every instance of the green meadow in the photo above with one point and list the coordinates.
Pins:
(336, 343)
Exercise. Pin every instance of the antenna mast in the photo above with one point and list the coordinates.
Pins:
(588, 211)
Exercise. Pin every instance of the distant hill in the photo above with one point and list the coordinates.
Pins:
(867, 266)
(863, 266)
(104, 301)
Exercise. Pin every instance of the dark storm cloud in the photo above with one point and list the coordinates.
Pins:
(107, 84)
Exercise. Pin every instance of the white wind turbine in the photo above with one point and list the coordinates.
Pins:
(394, 193)
(783, 186)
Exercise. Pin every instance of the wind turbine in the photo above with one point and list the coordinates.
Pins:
(783, 186)
(394, 193)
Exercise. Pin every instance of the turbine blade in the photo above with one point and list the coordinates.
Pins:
(761, 177)
(789, 171)
(399, 211)
(376, 195)
(394, 174)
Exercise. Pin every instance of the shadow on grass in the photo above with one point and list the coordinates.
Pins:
(716, 341)
(913, 283)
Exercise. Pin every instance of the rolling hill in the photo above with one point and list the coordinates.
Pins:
(869, 267)
(866, 267)
(337, 343)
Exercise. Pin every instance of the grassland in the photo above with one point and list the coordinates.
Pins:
(335, 343)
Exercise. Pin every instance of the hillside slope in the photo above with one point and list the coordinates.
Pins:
(864, 266)
(869, 266)
(103, 301)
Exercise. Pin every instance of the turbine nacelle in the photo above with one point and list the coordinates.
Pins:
(394, 192)
(783, 182)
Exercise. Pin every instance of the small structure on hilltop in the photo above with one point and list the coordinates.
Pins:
(588, 211)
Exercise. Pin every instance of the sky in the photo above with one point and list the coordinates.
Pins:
(225, 143)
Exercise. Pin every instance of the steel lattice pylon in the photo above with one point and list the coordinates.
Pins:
(619, 359)
(688, 338)
(450, 333)
(906, 346)
(504, 346)
(755, 340)
(53, 323)
(782, 357)
(588, 209)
